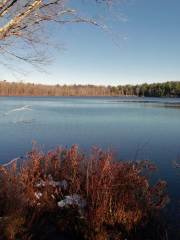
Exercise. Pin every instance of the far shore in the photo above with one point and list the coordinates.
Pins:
(166, 89)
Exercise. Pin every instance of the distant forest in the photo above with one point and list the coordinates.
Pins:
(167, 89)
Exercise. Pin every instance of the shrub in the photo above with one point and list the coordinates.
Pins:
(88, 197)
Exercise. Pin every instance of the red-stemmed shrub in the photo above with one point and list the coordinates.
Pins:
(64, 191)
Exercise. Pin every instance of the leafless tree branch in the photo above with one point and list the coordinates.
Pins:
(23, 20)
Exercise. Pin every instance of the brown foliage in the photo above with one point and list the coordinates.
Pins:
(168, 89)
(91, 197)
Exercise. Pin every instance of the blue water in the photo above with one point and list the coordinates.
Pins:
(133, 128)
(143, 128)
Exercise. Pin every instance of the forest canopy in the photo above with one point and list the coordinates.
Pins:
(166, 89)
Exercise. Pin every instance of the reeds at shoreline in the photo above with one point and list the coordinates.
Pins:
(64, 191)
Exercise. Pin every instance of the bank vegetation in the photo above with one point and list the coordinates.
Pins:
(66, 193)
(167, 89)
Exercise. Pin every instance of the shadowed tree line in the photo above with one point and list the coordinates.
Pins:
(167, 89)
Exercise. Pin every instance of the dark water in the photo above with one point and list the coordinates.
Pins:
(134, 128)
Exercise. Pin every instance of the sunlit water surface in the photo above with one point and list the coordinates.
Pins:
(133, 128)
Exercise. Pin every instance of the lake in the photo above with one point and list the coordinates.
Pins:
(133, 128)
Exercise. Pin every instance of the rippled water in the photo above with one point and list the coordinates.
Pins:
(134, 128)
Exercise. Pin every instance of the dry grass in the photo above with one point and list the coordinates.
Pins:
(63, 191)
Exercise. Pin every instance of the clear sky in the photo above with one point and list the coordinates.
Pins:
(142, 44)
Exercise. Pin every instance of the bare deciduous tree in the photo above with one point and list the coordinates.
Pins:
(23, 22)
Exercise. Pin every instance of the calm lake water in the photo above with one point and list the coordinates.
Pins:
(134, 128)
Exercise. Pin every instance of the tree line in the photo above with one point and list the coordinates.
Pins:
(166, 89)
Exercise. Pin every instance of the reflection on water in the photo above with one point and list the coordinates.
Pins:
(121, 123)
(134, 128)
(151, 102)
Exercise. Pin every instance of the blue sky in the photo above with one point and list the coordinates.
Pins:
(141, 44)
